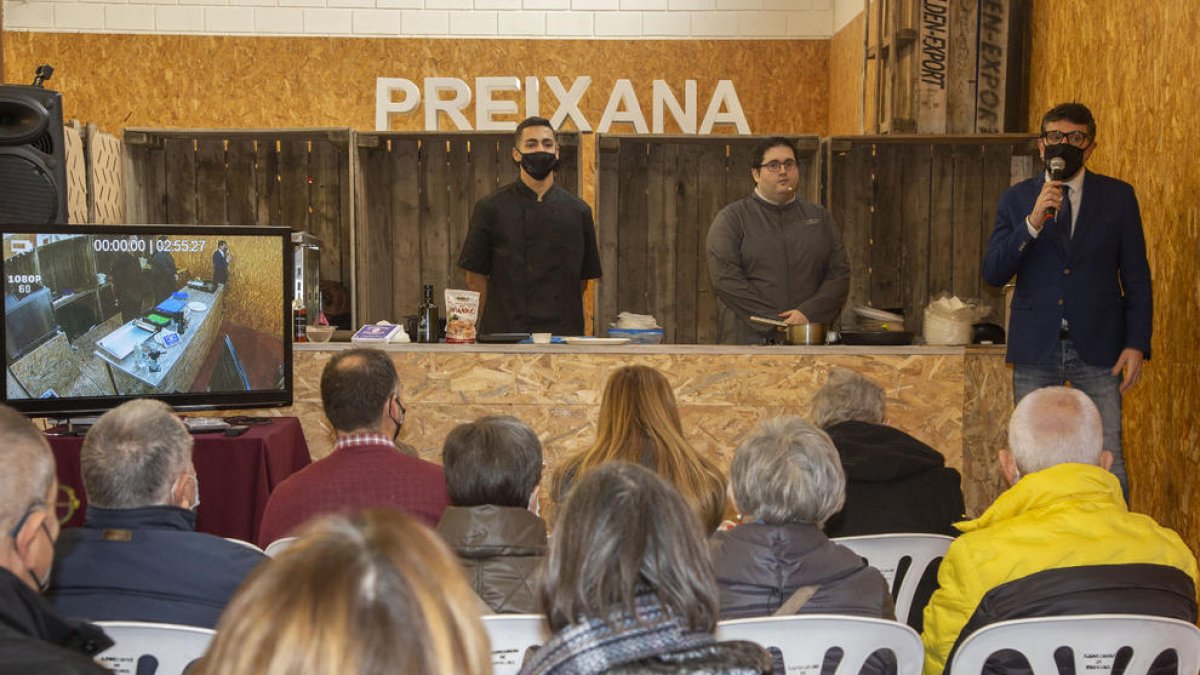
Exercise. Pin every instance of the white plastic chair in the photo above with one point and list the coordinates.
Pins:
(245, 543)
(1093, 639)
(804, 639)
(511, 636)
(171, 646)
(885, 552)
(276, 547)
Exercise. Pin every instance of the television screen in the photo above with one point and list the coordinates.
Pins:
(196, 316)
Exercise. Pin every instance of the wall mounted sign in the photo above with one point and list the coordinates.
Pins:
(451, 98)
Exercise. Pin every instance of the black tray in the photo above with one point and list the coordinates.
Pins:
(501, 338)
(877, 338)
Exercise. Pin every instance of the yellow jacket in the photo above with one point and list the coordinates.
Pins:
(1065, 516)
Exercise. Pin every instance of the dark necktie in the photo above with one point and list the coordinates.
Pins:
(1064, 214)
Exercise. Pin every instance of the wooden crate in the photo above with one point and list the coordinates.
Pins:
(105, 180)
(298, 178)
(946, 66)
(415, 192)
(77, 194)
(916, 213)
(657, 196)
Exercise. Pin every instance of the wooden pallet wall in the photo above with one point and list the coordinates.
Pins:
(294, 178)
(415, 194)
(657, 196)
(916, 213)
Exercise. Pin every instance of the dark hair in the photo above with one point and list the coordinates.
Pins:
(766, 144)
(1075, 113)
(355, 385)
(625, 532)
(532, 122)
(493, 460)
(221, 243)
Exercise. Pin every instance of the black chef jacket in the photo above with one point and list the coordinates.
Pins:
(535, 255)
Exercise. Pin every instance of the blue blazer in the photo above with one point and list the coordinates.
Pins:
(1098, 280)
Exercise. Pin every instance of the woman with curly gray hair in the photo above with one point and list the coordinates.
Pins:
(787, 481)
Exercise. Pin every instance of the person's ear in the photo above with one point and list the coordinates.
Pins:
(1008, 466)
(179, 491)
(535, 502)
(25, 538)
(1042, 149)
(516, 154)
(1087, 152)
(1105, 460)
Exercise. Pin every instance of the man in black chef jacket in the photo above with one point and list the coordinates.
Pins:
(532, 245)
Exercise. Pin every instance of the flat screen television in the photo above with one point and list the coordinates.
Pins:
(197, 316)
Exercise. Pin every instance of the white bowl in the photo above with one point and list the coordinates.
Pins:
(319, 333)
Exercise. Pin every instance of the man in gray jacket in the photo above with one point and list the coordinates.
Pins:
(775, 255)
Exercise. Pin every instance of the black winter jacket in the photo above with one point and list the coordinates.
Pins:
(33, 639)
(894, 483)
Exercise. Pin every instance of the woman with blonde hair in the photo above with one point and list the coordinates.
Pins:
(639, 423)
(377, 594)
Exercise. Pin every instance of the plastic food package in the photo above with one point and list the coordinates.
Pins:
(462, 313)
(950, 320)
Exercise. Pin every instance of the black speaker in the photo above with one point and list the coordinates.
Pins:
(33, 162)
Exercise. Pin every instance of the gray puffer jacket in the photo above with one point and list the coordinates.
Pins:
(501, 549)
(760, 566)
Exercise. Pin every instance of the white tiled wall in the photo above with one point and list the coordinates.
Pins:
(587, 19)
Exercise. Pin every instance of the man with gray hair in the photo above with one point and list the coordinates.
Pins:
(33, 637)
(493, 466)
(1060, 541)
(138, 556)
(894, 482)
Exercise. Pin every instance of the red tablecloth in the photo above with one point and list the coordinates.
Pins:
(236, 473)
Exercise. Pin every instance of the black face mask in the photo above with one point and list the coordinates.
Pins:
(538, 164)
(1072, 158)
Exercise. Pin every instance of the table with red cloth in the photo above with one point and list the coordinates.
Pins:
(236, 473)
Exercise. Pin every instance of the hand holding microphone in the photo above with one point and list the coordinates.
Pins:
(1058, 167)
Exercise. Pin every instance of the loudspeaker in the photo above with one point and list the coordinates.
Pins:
(33, 163)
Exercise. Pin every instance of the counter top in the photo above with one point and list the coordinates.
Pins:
(697, 350)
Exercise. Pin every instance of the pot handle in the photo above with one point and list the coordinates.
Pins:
(768, 322)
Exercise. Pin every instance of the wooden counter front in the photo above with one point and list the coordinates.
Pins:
(956, 399)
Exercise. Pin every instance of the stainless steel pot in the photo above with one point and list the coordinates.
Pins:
(798, 334)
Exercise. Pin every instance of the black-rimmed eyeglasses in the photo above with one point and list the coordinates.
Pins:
(1078, 139)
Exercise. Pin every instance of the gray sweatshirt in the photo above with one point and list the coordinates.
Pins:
(764, 259)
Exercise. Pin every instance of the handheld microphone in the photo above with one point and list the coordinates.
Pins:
(1057, 166)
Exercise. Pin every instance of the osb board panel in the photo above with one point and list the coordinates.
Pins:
(721, 399)
(1105, 60)
(222, 81)
(77, 211)
(253, 295)
(846, 79)
(987, 407)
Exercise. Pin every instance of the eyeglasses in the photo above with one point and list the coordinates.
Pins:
(66, 505)
(1076, 138)
(776, 166)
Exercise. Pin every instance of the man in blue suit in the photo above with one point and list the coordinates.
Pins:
(1082, 308)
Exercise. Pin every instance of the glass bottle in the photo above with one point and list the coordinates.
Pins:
(427, 316)
(299, 321)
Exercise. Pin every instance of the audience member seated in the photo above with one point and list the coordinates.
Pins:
(138, 556)
(628, 586)
(33, 637)
(894, 483)
(360, 392)
(493, 467)
(378, 594)
(787, 481)
(1060, 540)
(639, 423)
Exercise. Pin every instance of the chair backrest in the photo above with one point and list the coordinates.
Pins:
(804, 640)
(511, 636)
(902, 558)
(276, 547)
(1094, 640)
(152, 648)
(245, 543)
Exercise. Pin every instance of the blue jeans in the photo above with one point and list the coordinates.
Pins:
(1097, 382)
